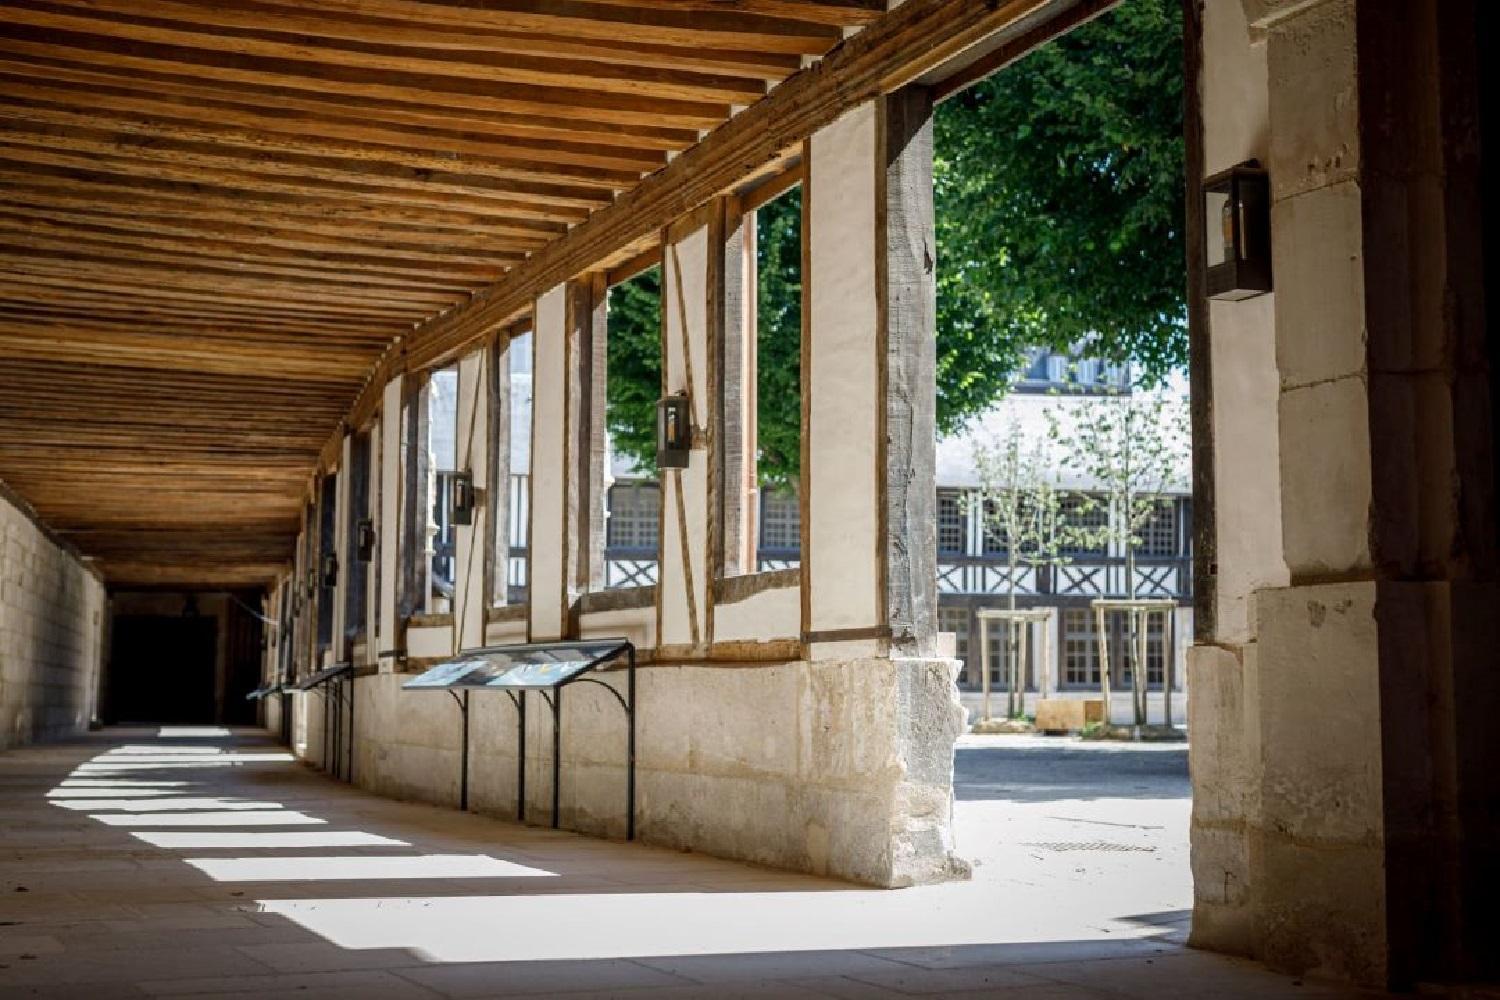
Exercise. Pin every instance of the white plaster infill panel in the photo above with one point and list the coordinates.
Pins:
(428, 641)
(546, 587)
(843, 568)
(390, 515)
(761, 617)
(636, 624)
(506, 632)
(685, 304)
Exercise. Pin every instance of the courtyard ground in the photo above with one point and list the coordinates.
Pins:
(199, 863)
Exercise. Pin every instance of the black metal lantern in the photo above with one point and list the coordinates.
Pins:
(464, 498)
(674, 431)
(330, 570)
(364, 540)
(1237, 232)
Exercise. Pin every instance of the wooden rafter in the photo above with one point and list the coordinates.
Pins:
(223, 223)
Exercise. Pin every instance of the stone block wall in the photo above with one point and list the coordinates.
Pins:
(840, 768)
(51, 634)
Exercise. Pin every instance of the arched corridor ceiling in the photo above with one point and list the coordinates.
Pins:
(216, 214)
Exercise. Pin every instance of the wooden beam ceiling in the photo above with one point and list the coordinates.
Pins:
(216, 216)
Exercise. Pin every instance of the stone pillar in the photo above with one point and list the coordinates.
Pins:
(1368, 676)
(869, 550)
(473, 455)
(691, 257)
(388, 523)
(567, 454)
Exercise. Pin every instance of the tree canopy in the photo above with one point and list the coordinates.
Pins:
(1058, 193)
(1058, 189)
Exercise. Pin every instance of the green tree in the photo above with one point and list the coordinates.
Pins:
(778, 313)
(1059, 198)
(634, 359)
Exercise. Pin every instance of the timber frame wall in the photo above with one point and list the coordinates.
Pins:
(901, 61)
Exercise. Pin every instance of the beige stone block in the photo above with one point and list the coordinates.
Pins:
(1325, 478)
(1311, 68)
(1323, 912)
(1068, 714)
(1317, 247)
(1320, 713)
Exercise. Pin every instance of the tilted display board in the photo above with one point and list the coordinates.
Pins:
(547, 668)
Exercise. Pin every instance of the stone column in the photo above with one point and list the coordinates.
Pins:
(1368, 818)
(869, 550)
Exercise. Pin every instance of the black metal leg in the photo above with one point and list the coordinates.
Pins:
(521, 758)
(556, 755)
(630, 751)
(349, 770)
(463, 778)
(327, 726)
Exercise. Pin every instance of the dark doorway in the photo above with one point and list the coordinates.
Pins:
(162, 669)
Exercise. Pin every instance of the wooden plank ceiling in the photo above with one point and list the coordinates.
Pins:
(216, 214)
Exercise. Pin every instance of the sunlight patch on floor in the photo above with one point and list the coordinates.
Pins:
(343, 868)
(262, 839)
(637, 925)
(247, 817)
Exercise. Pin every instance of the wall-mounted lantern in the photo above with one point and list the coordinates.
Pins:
(330, 570)
(1237, 232)
(465, 498)
(674, 431)
(364, 540)
(312, 582)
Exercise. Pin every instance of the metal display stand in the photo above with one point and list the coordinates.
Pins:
(546, 668)
(333, 716)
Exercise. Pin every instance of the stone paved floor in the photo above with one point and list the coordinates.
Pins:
(168, 864)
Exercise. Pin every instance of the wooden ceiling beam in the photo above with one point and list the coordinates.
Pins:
(194, 260)
(420, 70)
(450, 92)
(837, 13)
(259, 169)
(135, 283)
(620, 152)
(299, 20)
(150, 351)
(42, 282)
(525, 158)
(671, 25)
(228, 253)
(313, 107)
(399, 234)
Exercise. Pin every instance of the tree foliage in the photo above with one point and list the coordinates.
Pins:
(778, 305)
(1059, 201)
(634, 362)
